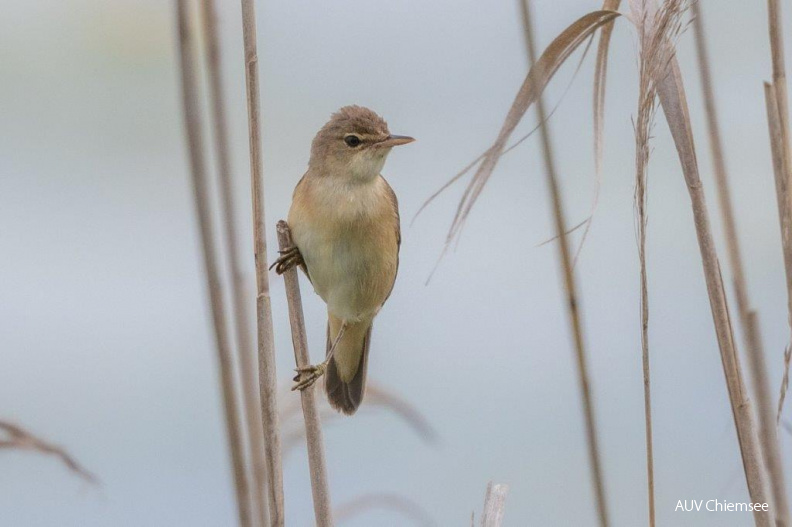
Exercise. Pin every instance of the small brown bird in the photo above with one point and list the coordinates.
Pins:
(344, 220)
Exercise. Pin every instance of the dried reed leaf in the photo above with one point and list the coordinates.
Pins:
(514, 145)
(673, 101)
(536, 80)
(395, 502)
(21, 439)
(568, 232)
(600, 76)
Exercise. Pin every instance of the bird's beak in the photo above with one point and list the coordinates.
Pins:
(395, 140)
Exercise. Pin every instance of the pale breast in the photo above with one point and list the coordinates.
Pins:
(348, 236)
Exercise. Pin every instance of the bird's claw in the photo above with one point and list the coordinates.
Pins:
(308, 375)
(289, 258)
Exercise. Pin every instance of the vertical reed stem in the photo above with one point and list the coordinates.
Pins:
(313, 424)
(784, 219)
(247, 366)
(194, 131)
(569, 284)
(782, 100)
(750, 329)
(672, 98)
(783, 164)
(266, 344)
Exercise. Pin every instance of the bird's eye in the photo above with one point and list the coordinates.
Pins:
(352, 140)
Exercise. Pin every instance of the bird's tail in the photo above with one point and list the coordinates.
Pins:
(345, 378)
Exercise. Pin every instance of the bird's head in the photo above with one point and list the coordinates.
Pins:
(354, 143)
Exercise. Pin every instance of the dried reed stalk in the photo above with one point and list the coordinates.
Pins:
(747, 316)
(783, 169)
(264, 330)
(313, 424)
(21, 439)
(782, 101)
(569, 284)
(672, 98)
(643, 130)
(777, 150)
(494, 505)
(194, 132)
(657, 30)
(247, 366)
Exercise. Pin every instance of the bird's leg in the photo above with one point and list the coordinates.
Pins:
(307, 375)
(288, 258)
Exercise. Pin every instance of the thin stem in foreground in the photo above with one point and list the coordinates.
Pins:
(570, 287)
(247, 367)
(747, 317)
(313, 425)
(264, 330)
(194, 131)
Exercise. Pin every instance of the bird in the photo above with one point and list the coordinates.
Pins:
(344, 222)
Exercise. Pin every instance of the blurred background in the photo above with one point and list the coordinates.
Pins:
(106, 346)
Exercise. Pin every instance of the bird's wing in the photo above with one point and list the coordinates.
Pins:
(395, 205)
(303, 265)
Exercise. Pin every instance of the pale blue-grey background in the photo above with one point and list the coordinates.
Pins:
(105, 343)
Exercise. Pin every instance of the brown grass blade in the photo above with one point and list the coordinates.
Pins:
(576, 327)
(674, 103)
(395, 502)
(747, 317)
(536, 80)
(600, 76)
(514, 145)
(247, 366)
(264, 329)
(313, 425)
(19, 438)
(194, 131)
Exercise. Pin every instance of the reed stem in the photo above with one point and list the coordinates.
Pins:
(313, 424)
(264, 329)
(194, 131)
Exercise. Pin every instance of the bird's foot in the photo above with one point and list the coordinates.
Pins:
(289, 258)
(308, 375)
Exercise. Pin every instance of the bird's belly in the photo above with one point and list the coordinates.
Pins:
(352, 270)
